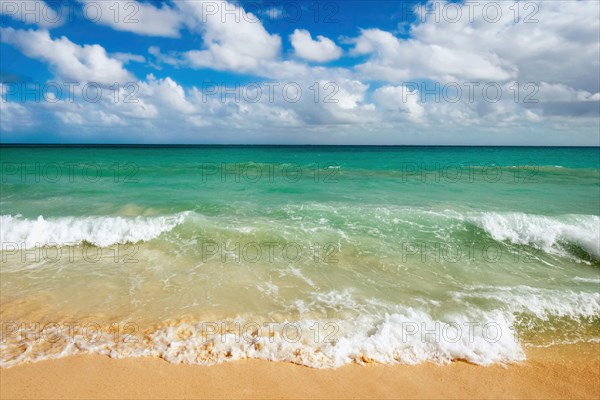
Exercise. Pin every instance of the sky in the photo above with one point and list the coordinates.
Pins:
(300, 72)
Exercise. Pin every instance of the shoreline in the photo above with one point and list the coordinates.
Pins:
(562, 371)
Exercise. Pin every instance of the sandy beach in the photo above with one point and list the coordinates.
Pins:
(570, 371)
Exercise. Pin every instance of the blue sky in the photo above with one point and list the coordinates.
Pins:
(326, 72)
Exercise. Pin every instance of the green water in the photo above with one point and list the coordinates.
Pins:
(547, 181)
(373, 240)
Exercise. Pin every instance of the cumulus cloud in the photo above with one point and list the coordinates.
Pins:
(559, 45)
(400, 99)
(560, 54)
(241, 43)
(87, 63)
(561, 92)
(137, 17)
(561, 100)
(14, 116)
(397, 60)
(320, 50)
(544, 68)
(33, 12)
(164, 111)
(166, 93)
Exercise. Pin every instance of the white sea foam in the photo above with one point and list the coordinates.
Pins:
(543, 303)
(408, 337)
(98, 230)
(541, 231)
(587, 280)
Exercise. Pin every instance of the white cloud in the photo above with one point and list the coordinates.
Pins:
(69, 61)
(400, 99)
(235, 43)
(562, 92)
(160, 58)
(561, 100)
(397, 60)
(136, 17)
(91, 117)
(166, 93)
(531, 116)
(553, 62)
(561, 47)
(274, 13)
(33, 12)
(557, 53)
(320, 50)
(14, 116)
(166, 112)
(128, 57)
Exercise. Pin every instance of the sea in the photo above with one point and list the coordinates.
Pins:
(316, 255)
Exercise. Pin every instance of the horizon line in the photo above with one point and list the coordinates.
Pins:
(273, 145)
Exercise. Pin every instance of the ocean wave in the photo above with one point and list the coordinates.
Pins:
(408, 337)
(595, 280)
(573, 236)
(539, 302)
(550, 234)
(98, 230)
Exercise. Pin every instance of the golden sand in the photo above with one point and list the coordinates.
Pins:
(559, 372)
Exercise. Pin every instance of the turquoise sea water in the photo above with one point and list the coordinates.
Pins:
(387, 254)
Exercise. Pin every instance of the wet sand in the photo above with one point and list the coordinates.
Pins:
(570, 371)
